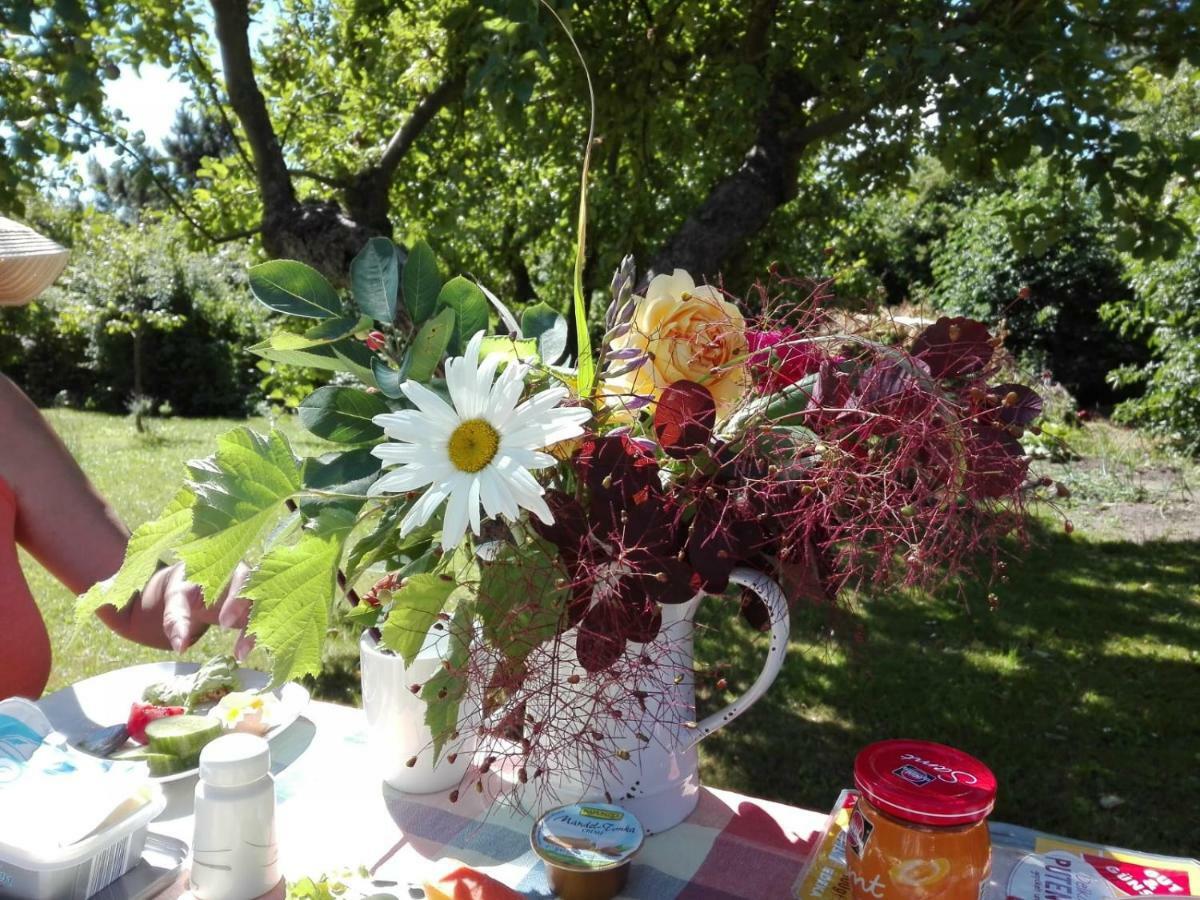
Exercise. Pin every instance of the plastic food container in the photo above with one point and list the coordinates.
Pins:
(587, 848)
(82, 869)
(919, 828)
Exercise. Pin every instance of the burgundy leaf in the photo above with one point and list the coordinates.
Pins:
(644, 621)
(997, 464)
(600, 641)
(954, 347)
(1019, 405)
(684, 418)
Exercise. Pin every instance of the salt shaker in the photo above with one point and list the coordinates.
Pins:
(235, 855)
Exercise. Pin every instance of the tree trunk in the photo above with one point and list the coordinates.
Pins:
(318, 232)
(740, 205)
(138, 381)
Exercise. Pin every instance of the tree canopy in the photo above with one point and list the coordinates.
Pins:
(465, 121)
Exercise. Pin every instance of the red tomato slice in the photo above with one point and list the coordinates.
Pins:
(142, 714)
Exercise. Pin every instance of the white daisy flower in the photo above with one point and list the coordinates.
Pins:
(478, 452)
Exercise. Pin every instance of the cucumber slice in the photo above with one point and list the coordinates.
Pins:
(182, 736)
(160, 764)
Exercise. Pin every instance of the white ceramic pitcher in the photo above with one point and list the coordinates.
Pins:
(660, 781)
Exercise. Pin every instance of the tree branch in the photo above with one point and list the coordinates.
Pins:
(206, 76)
(431, 104)
(739, 205)
(327, 180)
(144, 162)
(232, 23)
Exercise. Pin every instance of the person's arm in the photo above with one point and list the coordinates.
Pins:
(70, 529)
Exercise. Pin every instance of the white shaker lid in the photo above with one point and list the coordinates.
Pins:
(235, 759)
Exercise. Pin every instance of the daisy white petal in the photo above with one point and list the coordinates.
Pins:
(401, 481)
(477, 452)
(473, 505)
(454, 525)
(395, 453)
(420, 512)
(430, 403)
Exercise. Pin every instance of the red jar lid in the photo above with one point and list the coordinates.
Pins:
(925, 783)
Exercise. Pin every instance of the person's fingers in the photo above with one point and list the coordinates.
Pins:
(181, 600)
(234, 613)
(245, 643)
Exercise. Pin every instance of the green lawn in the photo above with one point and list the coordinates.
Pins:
(1083, 685)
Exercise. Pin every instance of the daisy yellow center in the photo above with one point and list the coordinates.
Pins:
(473, 445)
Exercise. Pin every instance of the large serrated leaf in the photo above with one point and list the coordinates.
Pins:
(289, 286)
(240, 491)
(148, 544)
(291, 591)
(415, 608)
(429, 345)
(375, 279)
(522, 596)
(421, 282)
(443, 692)
(342, 414)
(470, 311)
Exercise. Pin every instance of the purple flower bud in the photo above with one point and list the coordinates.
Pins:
(626, 353)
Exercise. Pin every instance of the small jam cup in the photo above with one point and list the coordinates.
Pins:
(587, 849)
(919, 827)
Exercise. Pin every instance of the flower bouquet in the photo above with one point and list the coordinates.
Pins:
(549, 525)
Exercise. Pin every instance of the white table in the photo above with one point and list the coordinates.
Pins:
(335, 813)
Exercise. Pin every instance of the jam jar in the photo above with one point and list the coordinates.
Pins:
(919, 828)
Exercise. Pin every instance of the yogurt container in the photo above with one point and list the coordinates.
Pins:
(587, 849)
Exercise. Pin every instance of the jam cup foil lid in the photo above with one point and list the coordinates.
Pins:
(587, 836)
(925, 783)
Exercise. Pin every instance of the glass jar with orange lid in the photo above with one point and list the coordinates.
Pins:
(919, 828)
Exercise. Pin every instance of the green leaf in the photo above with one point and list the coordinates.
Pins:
(522, 596)
(430, 345)
(375, 544)
(388, 379)
(335, 329)
(415, 608)
(291, 592)
(549, 328)
(421, 282)
(355, 358)
(342, 414)
(444, 691)
(511, 349)
(148, 544)
(470, 311)
(346, 355)
(351, 472)
(291, 287)
(240, 491)
(375, 279)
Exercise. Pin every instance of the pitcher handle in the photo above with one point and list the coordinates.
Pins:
(777, 607)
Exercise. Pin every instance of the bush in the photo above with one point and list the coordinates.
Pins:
(1038, 255)
(139, 313)
(1165, 312)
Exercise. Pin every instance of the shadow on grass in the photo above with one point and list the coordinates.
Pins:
(1084, 684)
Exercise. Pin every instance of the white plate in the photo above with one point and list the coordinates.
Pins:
(104, 700)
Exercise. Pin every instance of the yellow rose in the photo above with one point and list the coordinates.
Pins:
(688, 333)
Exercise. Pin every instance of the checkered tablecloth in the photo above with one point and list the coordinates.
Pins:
(335, 813)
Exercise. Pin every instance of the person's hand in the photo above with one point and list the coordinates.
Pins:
(185, 614)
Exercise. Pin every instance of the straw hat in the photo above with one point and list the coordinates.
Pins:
(29, 263)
